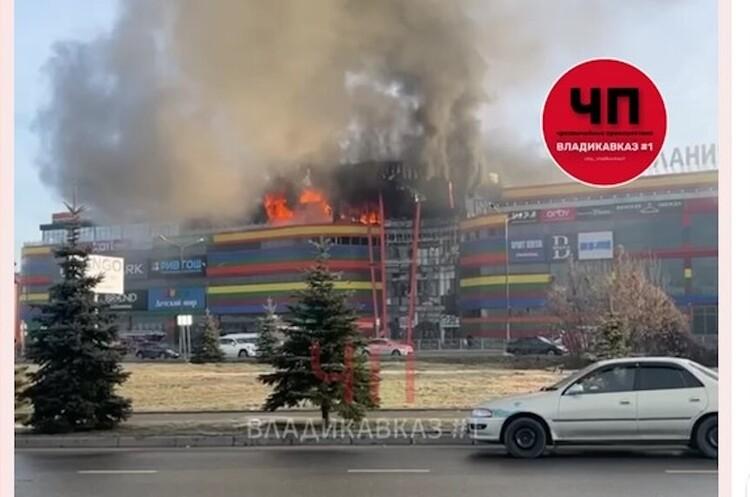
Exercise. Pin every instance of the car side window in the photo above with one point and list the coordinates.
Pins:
(608, 380)
(225, 341)
(665, 378)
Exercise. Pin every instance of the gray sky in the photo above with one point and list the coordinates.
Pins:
(674, 41)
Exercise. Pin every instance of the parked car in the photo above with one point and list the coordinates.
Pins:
(152, 350)
(536, 346)
(631, 400)
(385, 346)
(241, 345)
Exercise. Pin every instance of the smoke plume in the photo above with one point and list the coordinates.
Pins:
(187, 107)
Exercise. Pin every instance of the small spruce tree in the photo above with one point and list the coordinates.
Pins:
(75, 386)
(207, 346)
(310, 364)
(269, 336)
(612, 339)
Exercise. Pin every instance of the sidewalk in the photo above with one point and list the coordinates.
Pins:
(254, 428)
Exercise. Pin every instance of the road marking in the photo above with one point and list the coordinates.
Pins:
(376, 470)
(691, 471)
(117, 471)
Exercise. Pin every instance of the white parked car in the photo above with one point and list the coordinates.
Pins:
(632, 400)
(238, 344)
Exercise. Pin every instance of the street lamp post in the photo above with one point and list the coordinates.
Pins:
(507, 283)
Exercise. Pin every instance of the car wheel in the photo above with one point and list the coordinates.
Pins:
(525, 438)
(139, 355)
(707, 437)
(163, 355)
(551, 352)
(243, 353)
(395, 353)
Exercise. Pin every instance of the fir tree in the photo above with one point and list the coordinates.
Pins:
(310, 364)
(207, 347)
(612, 337)
(74, 388)
(269, 336)
(20, 381)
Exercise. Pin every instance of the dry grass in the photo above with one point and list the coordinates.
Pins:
(186, 387)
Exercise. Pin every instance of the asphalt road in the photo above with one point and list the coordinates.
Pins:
(359, 472)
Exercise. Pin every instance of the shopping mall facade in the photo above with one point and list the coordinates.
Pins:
(484, 273)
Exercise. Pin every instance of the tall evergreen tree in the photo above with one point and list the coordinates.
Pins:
(269, 336)
(207, 346)
(74, 388)
(20, 381)
(321, 359)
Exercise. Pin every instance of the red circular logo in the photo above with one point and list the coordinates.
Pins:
(604, 122)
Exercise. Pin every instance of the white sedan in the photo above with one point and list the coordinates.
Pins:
(620, 401)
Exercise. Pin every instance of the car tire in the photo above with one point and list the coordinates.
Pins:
(139, 355)
(395, 353)
(707, 437)
(163, 355)
(243, 354)
(551, 352)
(525, 438)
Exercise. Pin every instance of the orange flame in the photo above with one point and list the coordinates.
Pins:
(312, 206)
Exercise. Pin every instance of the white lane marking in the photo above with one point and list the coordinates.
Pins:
(117, 471)
(385, 470)
(691, 471)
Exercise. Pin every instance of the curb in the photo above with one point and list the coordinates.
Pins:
(183, 441)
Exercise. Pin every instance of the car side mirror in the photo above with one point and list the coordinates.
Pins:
(575, 389)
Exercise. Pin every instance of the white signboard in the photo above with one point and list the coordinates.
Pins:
(112, 270)
(595, 245)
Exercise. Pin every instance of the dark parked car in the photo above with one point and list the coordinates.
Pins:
(536, 346)
(155, 351)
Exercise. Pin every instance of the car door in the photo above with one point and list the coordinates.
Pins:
(599, 406)
(670, 398)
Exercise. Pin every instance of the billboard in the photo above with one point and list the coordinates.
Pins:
(558, 215)
(519, 217)
(560, 247)
(112, 270)
(527, 250)
(188, 266)
(178, 299)
(129, 300)
(595, 245)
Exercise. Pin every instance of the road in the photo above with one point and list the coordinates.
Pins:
(415, 471)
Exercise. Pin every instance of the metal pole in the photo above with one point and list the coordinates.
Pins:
(375, 312)
(413, 279)
(385, 328)
(507, 282)
(188, 330)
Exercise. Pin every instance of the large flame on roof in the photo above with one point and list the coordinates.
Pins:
(312, 206)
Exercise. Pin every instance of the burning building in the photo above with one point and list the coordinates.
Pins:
(417, 257)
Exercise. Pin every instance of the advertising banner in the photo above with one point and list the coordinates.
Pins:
(647, 208)
(527, 250)
(136, 268)
(112, 271)
(558, 215)
(560, 247)
(188, 266)
(130, 300)
(595, 245)
(594, 213)
(176, 299)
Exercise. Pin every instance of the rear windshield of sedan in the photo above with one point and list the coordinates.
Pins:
(707, 371)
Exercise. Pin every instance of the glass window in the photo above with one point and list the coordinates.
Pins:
(644, 233)
(665, 378)
(705, 320)
(705, 275)
(704, 229)
(673, 275)
(609, 379)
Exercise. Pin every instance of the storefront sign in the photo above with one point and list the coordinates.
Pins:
(595, 245)
(190, 266)
(518, 217)
(176, 299)
(557, 215)
(131, 300)
(527, 250)
(592, 213)
(647, 208)
(560, 247)
(111, 270)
